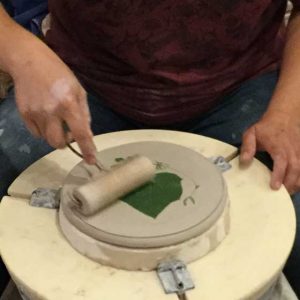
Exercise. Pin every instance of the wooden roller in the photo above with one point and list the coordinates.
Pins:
(109, 187)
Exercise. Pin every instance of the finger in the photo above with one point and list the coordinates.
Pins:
(248, 148)
(69, 137)
(80, 128)
(292, 174)
(279, 170)
(54, 133)
(84, 105)
(296, 187)
(67, 132)
(33, 128)
(83, 137)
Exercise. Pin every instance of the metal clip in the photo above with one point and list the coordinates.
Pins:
(175, 278)
(220, 162)
(47, 198)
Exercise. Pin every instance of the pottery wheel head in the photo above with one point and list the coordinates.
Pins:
(186, 197)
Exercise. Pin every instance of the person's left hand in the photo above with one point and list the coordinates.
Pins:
(277, 133)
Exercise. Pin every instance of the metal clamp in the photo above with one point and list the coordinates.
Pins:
(220, 162)
(47, 198)
(175, 278)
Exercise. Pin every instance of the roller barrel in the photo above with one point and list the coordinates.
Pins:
(119, 181)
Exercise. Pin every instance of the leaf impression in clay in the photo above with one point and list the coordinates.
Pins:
(152, 198)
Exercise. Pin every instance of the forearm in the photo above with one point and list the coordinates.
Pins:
(286, 98)
(18, 46)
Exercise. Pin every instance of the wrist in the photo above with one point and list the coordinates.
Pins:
(16, 55)
(285, 101)
(18, 48)
(281, 114)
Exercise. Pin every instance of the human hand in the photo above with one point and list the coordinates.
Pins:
(277, 133)
(49, 95)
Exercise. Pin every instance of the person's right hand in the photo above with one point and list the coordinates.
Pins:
(49, 95)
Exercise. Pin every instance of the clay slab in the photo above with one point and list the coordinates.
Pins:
(188, 214)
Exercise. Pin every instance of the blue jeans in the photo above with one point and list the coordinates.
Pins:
(227, 122)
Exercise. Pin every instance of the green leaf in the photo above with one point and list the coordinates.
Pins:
(152, 198)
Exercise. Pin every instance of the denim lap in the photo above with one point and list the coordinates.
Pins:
(18, 148)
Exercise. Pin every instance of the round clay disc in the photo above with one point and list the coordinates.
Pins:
(186, 197)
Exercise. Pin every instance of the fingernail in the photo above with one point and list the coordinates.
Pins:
(244, 157)
(277, 185)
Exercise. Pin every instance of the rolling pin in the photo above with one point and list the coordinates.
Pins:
(109, 186)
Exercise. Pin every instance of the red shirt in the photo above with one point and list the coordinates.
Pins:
(167, 61)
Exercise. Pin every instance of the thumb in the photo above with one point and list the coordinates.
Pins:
(248, 148)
